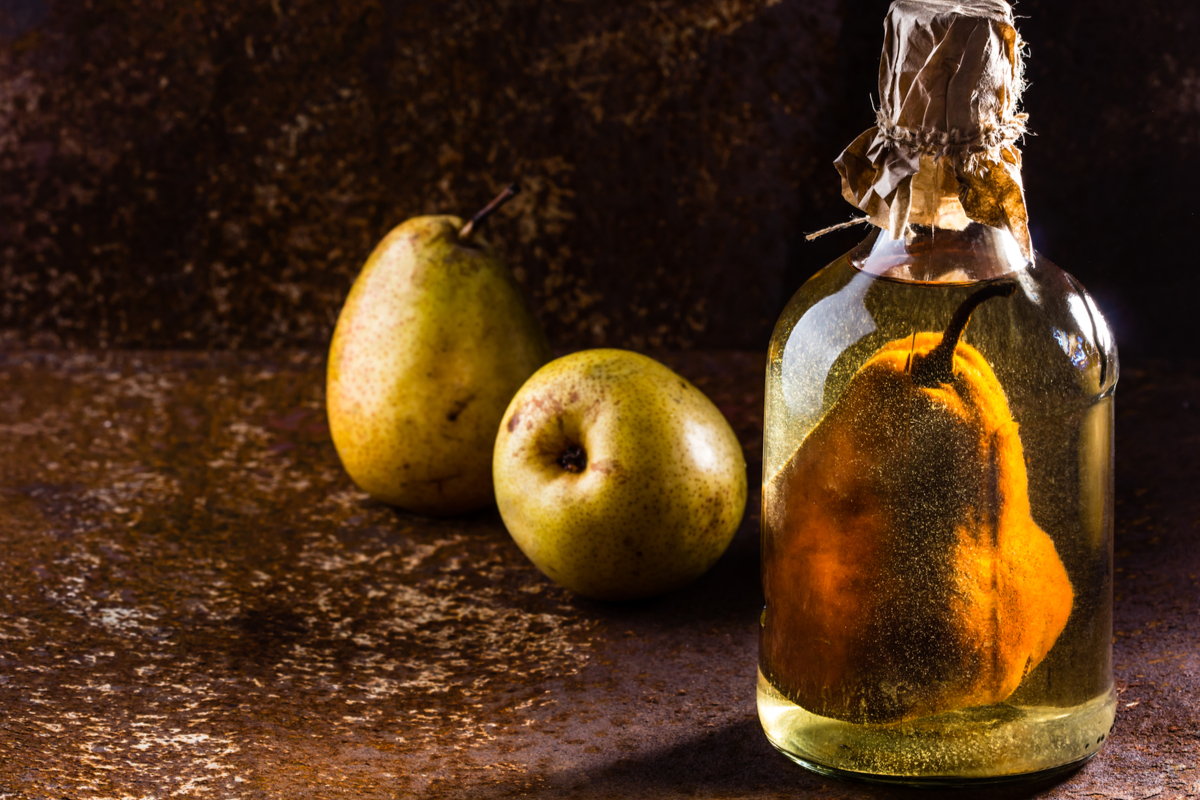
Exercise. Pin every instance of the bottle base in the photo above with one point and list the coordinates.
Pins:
(935, 782)
(988, 746)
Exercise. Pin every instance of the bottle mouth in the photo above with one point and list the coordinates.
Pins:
(943, 256)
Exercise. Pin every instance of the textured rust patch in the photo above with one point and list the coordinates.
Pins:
(217, 174)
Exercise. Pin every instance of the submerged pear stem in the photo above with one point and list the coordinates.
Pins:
(937, 366)
(510, 191)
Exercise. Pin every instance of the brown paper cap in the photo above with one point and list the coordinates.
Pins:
(950, 80)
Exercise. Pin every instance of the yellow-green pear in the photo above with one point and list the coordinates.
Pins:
(616, 477)
(434, 340)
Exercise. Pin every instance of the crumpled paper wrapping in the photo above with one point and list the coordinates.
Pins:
(950, 79)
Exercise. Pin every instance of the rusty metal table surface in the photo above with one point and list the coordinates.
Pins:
(196, 602)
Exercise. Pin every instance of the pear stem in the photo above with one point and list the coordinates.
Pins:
(937, 366)
(510, 191)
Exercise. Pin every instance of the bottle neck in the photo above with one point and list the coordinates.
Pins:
(940, 244)
(940, 255)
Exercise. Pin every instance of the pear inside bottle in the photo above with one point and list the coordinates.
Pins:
(937, 511)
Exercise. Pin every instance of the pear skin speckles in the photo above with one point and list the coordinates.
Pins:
(663, 491)
(432, 343)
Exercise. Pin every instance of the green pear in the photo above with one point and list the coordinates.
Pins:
(616, 477)
(434, 340)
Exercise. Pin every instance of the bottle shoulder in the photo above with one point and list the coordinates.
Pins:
(1048, 341)
(1074, 321)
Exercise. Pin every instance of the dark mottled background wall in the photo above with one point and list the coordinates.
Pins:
(213, 173)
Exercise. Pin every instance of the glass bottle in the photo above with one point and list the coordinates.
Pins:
(937, 503)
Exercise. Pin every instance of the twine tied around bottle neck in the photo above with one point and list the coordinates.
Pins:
(991, 135)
